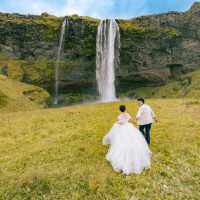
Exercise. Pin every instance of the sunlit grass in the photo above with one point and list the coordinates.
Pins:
(15, 95)
(57, 154)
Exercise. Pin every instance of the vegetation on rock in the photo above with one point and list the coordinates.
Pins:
(186, 86)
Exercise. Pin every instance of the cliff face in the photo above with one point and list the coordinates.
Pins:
(153, 48)
(28, 49)
(156, 47)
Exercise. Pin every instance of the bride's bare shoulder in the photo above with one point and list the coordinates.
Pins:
(121, 115)
(124, 115)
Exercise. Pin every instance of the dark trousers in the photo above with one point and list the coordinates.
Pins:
(145, 130)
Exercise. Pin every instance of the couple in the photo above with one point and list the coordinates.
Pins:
(129, 151)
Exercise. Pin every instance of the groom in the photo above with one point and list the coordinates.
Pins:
(145, 117)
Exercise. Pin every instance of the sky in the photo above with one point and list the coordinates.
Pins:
(95, 8)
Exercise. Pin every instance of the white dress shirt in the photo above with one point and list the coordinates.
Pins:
(145, 115)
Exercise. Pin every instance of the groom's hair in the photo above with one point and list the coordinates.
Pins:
(141, 99)
(122, 108)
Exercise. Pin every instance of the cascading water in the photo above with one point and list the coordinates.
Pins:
(57, 66)
(107, 58)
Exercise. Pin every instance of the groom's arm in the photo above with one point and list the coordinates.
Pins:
(139, 113)
(132, 121)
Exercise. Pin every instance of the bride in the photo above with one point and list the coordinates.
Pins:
(128, 151)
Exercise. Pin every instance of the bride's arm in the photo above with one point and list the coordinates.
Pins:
(131, 120)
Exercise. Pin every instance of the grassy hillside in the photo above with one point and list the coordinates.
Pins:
(56, 154)
(187, 86)
(15, 96)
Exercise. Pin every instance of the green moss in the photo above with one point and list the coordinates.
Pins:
(132, 30)
(135, 28)
(130, 25)
(39, 71)
(29, 27)
(172, 32)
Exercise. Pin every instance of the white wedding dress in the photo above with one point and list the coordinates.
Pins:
(128, 151)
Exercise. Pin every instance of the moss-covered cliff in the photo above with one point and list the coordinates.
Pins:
(28, 48)
(153, 49)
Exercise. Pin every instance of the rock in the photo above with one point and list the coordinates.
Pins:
(7, 50)
(148, 77)
(195, 7)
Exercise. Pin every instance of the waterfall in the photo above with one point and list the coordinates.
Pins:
(57, 66)
(107, 58)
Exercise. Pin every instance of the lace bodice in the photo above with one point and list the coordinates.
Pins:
(123, 118)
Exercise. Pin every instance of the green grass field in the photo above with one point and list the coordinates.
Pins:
(15, 96)
(56, 154)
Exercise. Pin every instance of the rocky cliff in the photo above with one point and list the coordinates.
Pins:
(153, 49)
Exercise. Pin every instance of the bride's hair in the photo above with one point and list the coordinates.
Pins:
(122, 108)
